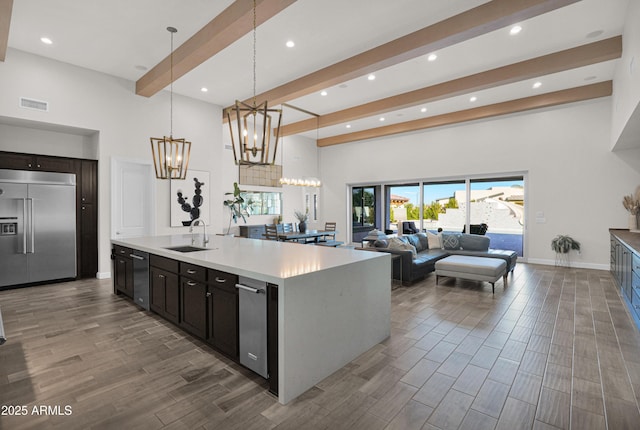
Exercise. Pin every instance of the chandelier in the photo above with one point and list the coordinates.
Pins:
(253, 144)
(170, 155)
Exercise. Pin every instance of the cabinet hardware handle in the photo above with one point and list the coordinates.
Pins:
(29, 165)
(191, 284)
(121, 261)
(208, 294)
(636, 306)
(220, 280)
(191, 271)
(38, 166)
(161, 276)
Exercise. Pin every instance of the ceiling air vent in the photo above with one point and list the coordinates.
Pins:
(34, 104)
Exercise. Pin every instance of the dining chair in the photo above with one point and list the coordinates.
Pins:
(329, 226)
(271, 232)
(287, 227)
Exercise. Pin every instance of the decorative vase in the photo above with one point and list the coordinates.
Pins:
(633, 222)
(302, 226)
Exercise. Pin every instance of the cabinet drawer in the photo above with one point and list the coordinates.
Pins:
(122, 251)
(223, 280)
(635, 303)
(163, 263)
(197, 273)
(635, 263)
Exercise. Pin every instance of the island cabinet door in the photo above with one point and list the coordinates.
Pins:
(223, 312)
(123, 271)
(193, 307)
(165, 294)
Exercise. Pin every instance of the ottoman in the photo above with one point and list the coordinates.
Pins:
(474, 268)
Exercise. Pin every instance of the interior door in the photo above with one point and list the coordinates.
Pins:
(132, 199)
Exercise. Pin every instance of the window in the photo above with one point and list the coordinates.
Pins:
(444, 206)
(363, 211)
(403, 204)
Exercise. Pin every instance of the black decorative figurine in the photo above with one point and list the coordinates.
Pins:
(192, 209)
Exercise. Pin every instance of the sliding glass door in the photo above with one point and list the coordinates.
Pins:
(363, 211)
(403, 204)
(497, 206)
(444, 206)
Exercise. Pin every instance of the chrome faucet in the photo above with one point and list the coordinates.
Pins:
(205, 238)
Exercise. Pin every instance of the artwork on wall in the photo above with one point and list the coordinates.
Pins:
(190, 198)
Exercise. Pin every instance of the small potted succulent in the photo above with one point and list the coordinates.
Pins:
(302, 218)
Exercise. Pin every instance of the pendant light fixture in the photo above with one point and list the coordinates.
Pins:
(254, 143)
(170, 156)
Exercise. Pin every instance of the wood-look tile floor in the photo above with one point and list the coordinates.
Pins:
(555, 349)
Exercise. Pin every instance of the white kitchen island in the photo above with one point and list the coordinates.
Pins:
(333, 303)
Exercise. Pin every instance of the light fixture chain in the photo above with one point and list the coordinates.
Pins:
(171, 88)
(254, 53)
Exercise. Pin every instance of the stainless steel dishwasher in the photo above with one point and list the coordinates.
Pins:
(140, 278)
(252, 320)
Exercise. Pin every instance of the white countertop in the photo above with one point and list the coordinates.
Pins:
(265, 260)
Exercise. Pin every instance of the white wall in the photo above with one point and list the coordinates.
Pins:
(573, 177)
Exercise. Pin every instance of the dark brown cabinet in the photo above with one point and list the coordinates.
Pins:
(44, 163)
(222, 302)
(164, 287)
(87, 226)
(625, 268)
(123, 270)
(193, 299)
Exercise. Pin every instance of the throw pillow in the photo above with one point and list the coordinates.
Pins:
(401, 245)
(413, 240)
(381, 243)
(435, 240)
(424, 241)
(450, 241)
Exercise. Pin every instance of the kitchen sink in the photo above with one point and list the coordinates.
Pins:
(187, 248)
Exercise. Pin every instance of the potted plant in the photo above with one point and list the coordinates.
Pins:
(237, 206)
(561, 245)
(302, 218)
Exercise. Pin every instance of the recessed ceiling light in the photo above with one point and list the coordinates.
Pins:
(432, 57)
(371, 77)
(537, 84)
(473, 99)
(423, 110)
(515, 30)
(204, 89)
(290, 44)
(323, 93)
(140, 67)
(46, 40)
(348, 125)
(590, 78)
(343, 86)
(381, 119)
(594, 34)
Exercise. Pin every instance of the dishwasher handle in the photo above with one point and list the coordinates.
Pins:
(137, 257)
(250, 289)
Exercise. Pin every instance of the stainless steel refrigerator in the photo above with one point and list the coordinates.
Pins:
(37, 226)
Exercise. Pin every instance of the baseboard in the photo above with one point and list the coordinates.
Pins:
(574, 264)
(103, 275)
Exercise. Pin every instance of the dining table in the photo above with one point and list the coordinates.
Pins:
(308, 234)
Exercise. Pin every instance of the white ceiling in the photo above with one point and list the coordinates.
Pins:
(119, 36)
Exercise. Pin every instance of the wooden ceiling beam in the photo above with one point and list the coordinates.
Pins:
(5, 21)
(580, 56)
(587, 92)
(226, 28)
(459, 28)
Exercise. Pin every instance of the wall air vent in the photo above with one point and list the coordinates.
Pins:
(34, 104)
